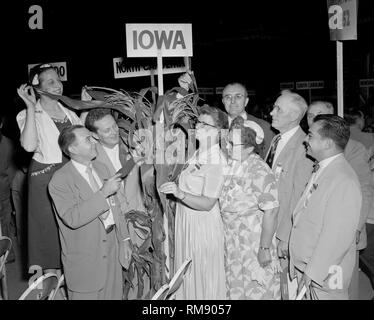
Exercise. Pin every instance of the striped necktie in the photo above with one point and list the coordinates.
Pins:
(273, 148)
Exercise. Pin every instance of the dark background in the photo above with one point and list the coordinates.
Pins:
(258, 43)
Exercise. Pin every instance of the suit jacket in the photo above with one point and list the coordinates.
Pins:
(292, 170)
(358, 157)
(323, 232)
(268, 132)
(82, 234)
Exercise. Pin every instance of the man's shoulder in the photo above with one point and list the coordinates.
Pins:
(62, 173)
(260, 121)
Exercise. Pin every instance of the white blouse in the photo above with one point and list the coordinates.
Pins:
(48, 150)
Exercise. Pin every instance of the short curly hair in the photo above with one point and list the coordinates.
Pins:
(219, 117)
(247, 135)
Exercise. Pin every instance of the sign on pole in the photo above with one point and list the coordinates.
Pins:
(159, 40)
(343, 26)
(121, 70)
(342, 19)
(146, 40)
(60, 68)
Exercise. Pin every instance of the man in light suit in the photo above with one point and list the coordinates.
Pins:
(114, 154)
(235, 99)
(93, 234)
(287, 158)
(322, 243)
(358, 157)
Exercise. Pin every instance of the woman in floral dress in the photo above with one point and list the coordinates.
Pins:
(249, 207)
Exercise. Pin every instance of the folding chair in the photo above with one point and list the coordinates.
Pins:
(178, 279)
(5, 246)
(37, 290)
(168, 291)
(59, 286)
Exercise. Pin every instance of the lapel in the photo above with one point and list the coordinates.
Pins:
(292, 144)
(327, 174)
(102, 156)
(81, 183)
(123, 153)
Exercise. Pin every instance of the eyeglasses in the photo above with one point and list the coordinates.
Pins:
(229, 97)
(236, 144)
(204, 123)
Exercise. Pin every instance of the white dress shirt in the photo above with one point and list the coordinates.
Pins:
(285, 137)
(82, 170)
(322, 165)
(113, 155)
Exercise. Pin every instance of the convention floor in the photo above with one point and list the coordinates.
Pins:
(18, 278)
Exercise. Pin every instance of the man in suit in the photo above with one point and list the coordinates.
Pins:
(358, 157)
(235, 99)
(114, 154)
(322, 242)
(93, 234)
(287, 158)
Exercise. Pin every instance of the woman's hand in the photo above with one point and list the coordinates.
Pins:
(264, 257)
(27, 94)
(171, 188)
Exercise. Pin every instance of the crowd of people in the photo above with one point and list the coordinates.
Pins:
(259, 206)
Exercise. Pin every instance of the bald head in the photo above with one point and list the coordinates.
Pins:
(318, 107)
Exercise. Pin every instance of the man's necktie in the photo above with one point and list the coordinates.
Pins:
(95, 187)
(273, 148)
(315, 167)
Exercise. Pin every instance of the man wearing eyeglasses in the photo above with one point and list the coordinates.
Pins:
(235, 99)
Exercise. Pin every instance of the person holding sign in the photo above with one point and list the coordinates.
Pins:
(40, 125)
(198, 224)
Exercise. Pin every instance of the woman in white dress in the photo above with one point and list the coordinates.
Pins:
(198, 225)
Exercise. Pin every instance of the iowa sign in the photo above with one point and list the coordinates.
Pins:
(148, 40)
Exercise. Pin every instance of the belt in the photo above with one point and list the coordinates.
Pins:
(109, 229)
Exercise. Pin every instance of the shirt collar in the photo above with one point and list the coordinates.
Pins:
(80, 167)
(243, 115)
(325, 162)
(114, 150)
(288, 134)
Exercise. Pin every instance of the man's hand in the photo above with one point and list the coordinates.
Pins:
(282, 249)
(111, 185)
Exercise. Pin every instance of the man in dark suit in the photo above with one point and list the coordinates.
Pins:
(287, 158)
(93, 234)
(235, 99)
